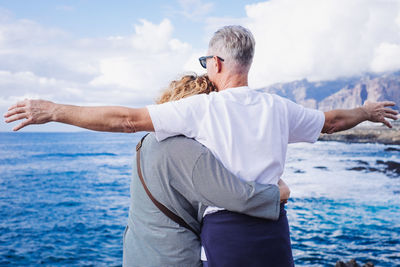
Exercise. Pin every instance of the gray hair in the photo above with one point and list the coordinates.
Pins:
(235, 44)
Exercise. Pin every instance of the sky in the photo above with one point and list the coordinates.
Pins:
(87, 52)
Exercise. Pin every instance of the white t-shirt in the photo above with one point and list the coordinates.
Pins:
(247, 130)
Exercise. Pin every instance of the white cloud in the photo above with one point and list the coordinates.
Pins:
(146, 60)
(150, 37)
(195, 9)
(387, 57)
(153, 59)
(39, 62)
(322, 39)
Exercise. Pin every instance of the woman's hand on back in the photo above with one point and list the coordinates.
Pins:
(284, 191)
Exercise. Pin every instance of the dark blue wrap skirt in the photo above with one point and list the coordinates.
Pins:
(234, 239)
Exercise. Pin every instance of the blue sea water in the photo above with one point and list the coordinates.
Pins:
(64, 200)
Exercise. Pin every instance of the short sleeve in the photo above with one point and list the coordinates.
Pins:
(182, 117)
(305, 124)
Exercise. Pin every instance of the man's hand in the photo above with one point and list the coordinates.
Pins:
(343, 119)
(284, 191)
(33, 111)
(378, 112)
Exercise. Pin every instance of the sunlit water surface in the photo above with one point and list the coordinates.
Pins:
(64, 200)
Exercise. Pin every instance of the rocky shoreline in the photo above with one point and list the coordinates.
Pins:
(367, 133)
(353, 263)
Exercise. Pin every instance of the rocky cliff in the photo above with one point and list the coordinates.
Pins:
(341, 93)
(348, 93)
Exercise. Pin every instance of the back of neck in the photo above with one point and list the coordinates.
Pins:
(232, 81)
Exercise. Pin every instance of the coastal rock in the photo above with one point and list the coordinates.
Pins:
(353, 263)
(362, 168)
(392, 149)
(362, 162)
(321, 168)
(368, 133)
(392, 168)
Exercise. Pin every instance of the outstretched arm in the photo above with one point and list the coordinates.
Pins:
(107, 118)
(343, 119)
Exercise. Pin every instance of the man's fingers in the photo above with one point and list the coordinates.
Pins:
(16, 117)
(22, 125)
(14, 111)
(390, 116)
(17, 105)
(391, 111)
(12, 107)
(388, 103)
(386, 123)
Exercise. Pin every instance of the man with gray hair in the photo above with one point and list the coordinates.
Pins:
(247, 130)
(236, 45)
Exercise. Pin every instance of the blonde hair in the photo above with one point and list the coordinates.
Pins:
(188, 85)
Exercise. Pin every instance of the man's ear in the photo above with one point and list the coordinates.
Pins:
(218, 64)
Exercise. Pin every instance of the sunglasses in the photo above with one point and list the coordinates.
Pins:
(203, 60)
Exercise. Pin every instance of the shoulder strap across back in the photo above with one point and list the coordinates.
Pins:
(160, 206)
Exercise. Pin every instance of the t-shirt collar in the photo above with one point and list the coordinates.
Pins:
(240, 88)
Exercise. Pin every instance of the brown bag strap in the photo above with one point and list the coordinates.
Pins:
(160, 206)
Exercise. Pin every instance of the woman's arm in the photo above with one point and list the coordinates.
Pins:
(107, 118)
(343, 119)
(213, 185)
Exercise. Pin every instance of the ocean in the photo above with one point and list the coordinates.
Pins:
(64, 200)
